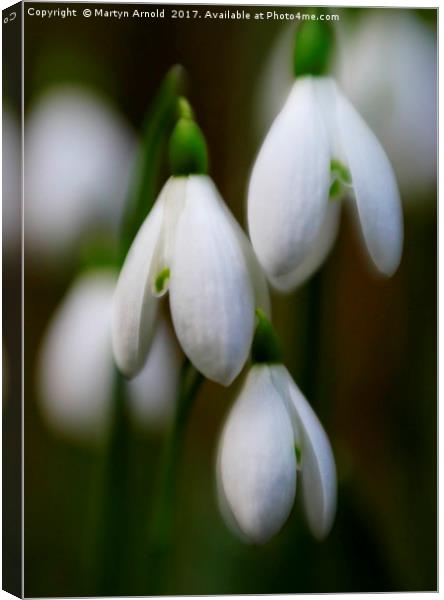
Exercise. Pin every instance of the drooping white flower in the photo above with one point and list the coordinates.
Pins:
(190, 245)
(271, 439)
(387, 65)
(317, 144)
(76, 370)
(78, 156)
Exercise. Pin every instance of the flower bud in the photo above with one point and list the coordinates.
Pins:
(187, 147)
(313, 45)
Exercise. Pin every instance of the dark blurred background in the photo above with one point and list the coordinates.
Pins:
(363, 349)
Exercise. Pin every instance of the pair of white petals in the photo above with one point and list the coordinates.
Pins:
(192, 245)
(257, 471)
(292, 221)
(76, 371)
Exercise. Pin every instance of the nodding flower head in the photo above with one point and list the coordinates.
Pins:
(317, 150)
(271, 440)
(191, 246)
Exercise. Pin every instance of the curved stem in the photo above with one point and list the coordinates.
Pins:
(162, 528)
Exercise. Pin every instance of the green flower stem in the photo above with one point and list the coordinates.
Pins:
(113, 528)
(157, 129)
(113, 552)
(313, 48)
(161, 533)
(266, 346)
(309, 379)
(187, 148)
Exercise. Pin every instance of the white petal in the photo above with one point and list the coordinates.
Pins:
(173, 199)
(211, 296)
(75, 367)
(257, 459)
(257, 275)
(289, 185)
(152, 393)
(375, 188)
(135, 308)
(318, 465)
(222, 501)
(321, 249)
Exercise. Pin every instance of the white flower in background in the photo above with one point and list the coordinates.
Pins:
(75, 366)
(271, 439)
(78, 155)
(387, 65)
(274, 82)
(191, 245)
(317, 147)
(76, 369)
(152, 393)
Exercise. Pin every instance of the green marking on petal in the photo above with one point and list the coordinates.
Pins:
(338, 169)
(298, 454)
(335, 190)
(340, 177)
(161, 280)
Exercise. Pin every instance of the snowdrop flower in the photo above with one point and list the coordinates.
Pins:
(76, 370)
(191, 246)
(317, 149)
(78, 155)
(377, 61)
(270, 441)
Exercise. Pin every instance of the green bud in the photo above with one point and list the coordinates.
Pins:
(266, 347)
(312, 49)
(187, 147)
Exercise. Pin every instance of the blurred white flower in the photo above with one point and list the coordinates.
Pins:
(75, 367)
(270, 435)
(76, 370)
(317, 147)
(152, 393)
(387, 65)
(192, 245)
(78, 155)
(275, 80)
